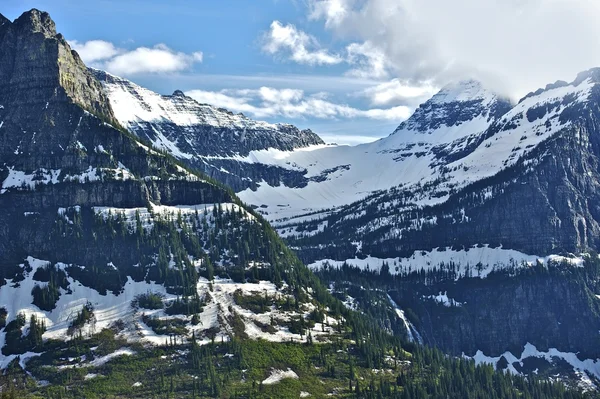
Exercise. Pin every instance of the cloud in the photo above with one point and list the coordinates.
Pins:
(297, 45)
(94, 50)
(396, 91)
(154, 60)
(268, 102)
(333, 11)
(368, 61)
(514, 45)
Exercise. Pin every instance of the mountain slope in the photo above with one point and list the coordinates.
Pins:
(470, 186)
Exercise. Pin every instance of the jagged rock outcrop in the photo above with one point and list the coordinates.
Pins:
(39, 74)
(456, 104)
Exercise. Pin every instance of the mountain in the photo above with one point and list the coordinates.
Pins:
(124, 273)
(472, 210)
(213, 140)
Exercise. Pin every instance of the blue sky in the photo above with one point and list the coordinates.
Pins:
(351, 70)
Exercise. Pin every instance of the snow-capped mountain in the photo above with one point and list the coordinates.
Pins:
(449, 189)
(213, 140)
(109, 246)
(513, 205)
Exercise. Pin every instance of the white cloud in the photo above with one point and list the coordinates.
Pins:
(333, 11)
(513, 45)
(157, 59)
(94, 50)
(272, 95)
(238, 103)
(368, 61)
(268, 102)
(299, 46)
(397, 91)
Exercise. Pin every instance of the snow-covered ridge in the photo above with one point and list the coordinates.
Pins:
(179, 124)
(474, 262)
(132, 103)
(464, 107)
(466, 90)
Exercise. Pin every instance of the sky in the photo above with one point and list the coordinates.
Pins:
(350, 70)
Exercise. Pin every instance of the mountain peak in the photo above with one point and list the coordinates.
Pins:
(36, 21)
(464, 90)
(455, 104)
(4, 20)
(593, 74)
(45, 69)
(178, 93)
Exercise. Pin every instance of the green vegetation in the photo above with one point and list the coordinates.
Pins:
(238, 368)
(3, 315)
(46, 296)
(256, 303)
(166, 326)
(84, 316)
(149, 300)
(17, 343)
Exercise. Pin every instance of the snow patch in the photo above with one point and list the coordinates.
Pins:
(478, 261)
(278, 375)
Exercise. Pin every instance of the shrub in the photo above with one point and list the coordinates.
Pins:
(149, 300)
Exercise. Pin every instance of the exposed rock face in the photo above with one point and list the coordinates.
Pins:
(45, 90)
(453, 105)
(210, 139)
(37, 66)
(92, 218)
(500, 314)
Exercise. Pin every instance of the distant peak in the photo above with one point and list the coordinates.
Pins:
(35, 21)
(178, 93)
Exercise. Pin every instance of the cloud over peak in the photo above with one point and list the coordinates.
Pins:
(514, 46)
(268, 102)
